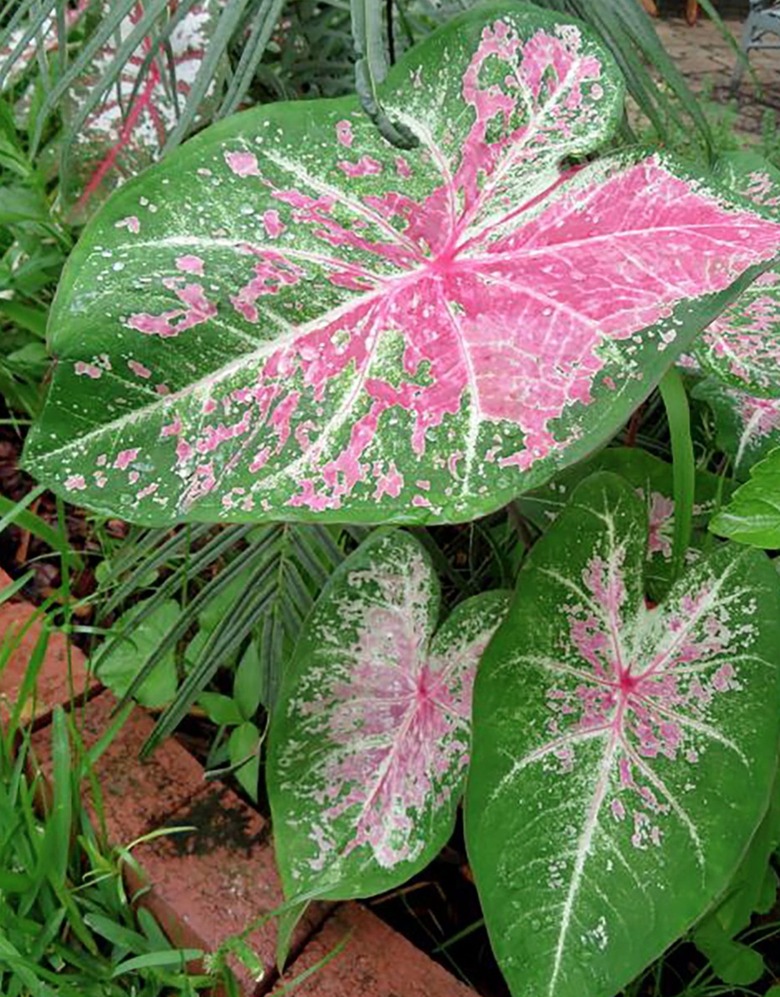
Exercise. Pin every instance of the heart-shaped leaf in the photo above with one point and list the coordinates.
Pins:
(622, 757)
(753, 515)
(742, 346)
(370, 742)
(747, 427)
(653, 481)
(126, 128)
(290, 318)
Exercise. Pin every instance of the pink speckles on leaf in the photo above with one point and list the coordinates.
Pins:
(388, 708)
(198, 309)
(124, 458)
(366, 166)
(139, 369)
(273, 224)
(243, 164)
(131, 223)
(466, 306)
(190, 264)
(344, 133)
(75, 483)
(606, 738)
(87, 370)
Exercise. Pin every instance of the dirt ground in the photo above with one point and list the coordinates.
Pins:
(707, 59)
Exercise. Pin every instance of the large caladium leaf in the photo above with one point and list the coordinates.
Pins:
(747, 427)
(753, 515)
(127, 129)
(742, 346)
(653, 480)
(292, 318)
(622, 756)
(370, 741)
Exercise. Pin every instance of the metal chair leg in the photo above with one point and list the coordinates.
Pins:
(739, 67)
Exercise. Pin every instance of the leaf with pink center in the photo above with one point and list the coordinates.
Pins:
(747, 427)
(622, 757)
(742, 346)
(370, 742)
(303, 321)
(127, 128)
(653, 482)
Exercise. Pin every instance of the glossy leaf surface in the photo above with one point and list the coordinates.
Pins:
(653, 482)
(753, 515)
(290, 318)
(622, 757)
(126, 129)
(747, 427)
(370, 742)
(742, 346)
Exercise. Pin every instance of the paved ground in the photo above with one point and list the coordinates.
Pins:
(707, 60)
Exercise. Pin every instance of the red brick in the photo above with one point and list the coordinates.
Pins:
(211, 883)
(63, 674)
(375, 962)
(138, 796)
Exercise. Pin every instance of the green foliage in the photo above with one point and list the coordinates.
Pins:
(67, 928)
(608, 742)
(753, 514)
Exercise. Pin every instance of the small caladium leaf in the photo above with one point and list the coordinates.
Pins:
(290, 318)
(622, 757)
(753, 515)
(127, 129)
(742, 346)
(747, 427)
(652, 480)
(370, 741)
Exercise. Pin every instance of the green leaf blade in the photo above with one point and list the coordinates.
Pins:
(611, 743)
(369, 743)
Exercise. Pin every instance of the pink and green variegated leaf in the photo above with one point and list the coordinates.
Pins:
(290, 318)
(742, 346)
(47, 36)
(622, 757)
(128, 128)
(747, 427)
(653, 482)
(370, 742)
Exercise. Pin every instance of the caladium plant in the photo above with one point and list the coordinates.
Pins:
(126, 128)
(291, 318)
(653, 482)
(747, 427)
(369, 744)
(611, 743)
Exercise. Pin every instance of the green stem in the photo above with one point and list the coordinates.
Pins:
(684, 469)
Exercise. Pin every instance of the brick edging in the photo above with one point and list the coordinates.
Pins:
(208, 883)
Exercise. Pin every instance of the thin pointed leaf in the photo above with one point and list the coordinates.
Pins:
(121, 128)
(369, 744)
(622, 757)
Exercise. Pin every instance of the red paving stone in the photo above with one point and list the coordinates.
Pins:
(375, 961)
(63, 673)
(210, 883)
(137, 795)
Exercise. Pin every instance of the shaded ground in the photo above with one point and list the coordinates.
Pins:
(707, 60)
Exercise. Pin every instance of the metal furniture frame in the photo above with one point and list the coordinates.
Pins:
(763, 19)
